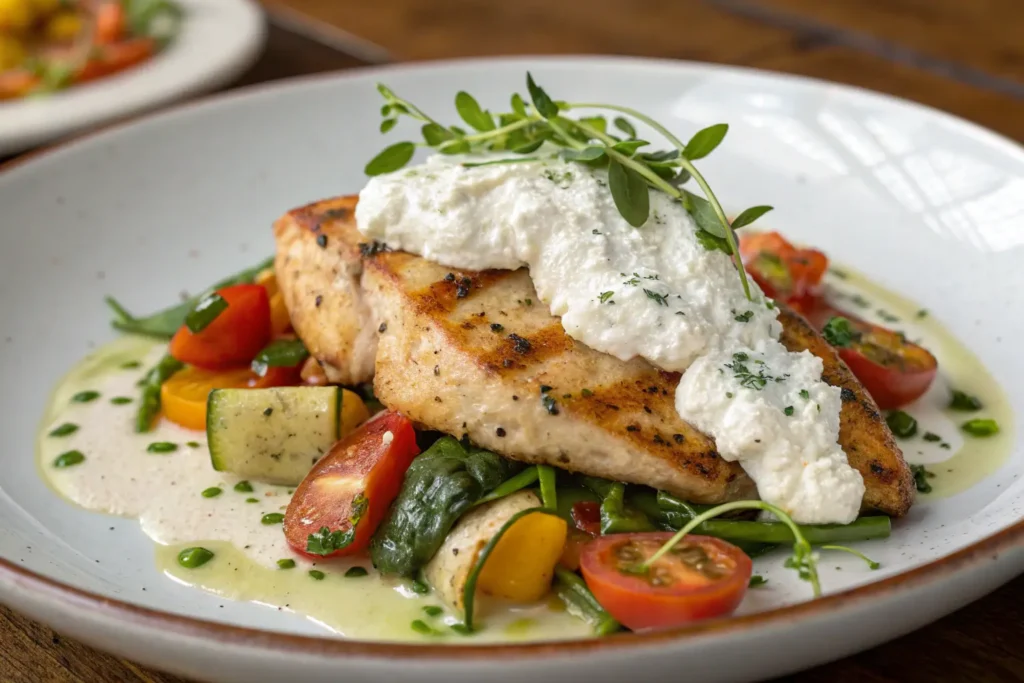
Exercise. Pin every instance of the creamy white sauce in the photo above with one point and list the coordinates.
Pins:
(654, 292)
(165, 492)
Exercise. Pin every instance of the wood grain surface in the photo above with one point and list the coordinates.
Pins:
(964, 56)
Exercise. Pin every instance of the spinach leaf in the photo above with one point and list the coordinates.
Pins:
(163, 324)
(616, 516)
(442, 483)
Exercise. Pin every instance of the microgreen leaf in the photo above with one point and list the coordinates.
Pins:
(629, 147)
(454, 147)
(518, 106)
(625, 126)
(541, 102)
(391, 159)
(591, 153)
(596, 122)
(704, 141)
(387, 124)
(435, 134)
(471, 112)
(386, 91)
(839, 332)
(704, 216)
(749, 216)
(630, 193)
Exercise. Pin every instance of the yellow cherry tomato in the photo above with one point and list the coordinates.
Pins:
(12, 52)
(16, 16)
(63, 27)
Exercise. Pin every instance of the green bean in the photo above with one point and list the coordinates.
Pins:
(736, 531)
(149, 405)
(617, 518)
(510, 486)
(581, 603)
(548, 492)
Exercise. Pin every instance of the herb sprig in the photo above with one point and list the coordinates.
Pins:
(632, 173)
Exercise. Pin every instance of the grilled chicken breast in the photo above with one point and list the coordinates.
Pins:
(477, 354)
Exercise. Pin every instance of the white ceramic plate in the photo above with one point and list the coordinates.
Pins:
(926, 204)
(218, 40)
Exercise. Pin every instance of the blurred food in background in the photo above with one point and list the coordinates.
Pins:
(49, 45)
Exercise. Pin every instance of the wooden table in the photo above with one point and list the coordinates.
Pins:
(963, 56)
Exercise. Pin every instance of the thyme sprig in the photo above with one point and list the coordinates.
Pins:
(632, 173)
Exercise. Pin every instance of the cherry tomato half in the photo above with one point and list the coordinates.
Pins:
(351, 488)
(700, 578)
(893, 370)
(783, 271)
(234, 337)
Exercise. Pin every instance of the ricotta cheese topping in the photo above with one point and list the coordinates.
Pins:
(654, 292)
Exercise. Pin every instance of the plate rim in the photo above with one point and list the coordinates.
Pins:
(44, 130)
(982, 552)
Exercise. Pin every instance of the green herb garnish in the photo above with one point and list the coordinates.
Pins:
(355, 572)
(287, 563)
(325, 541)
(964, 401)
(902, 424)
(839, 332)
(632, 174)
(921, 477)
(432, 610)
(85, 397)
(69, 459)
(981, 427)
(205, 312)
(317, 574)
(272, 518)
(756, 581)
(424, 628)
(161, 447)
(282, 353)
(121, 400)
(243, 487)
(212, 492)
(190, 558)
(65, 429)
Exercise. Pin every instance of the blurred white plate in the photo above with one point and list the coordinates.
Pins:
(924, 203)
(218, 40)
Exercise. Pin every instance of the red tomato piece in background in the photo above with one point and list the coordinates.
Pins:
(893, 370)
(700, 578)
(783, 271)
(234, 337)
(349, 491)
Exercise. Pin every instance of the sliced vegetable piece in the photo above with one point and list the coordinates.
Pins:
(276, 435)
(783, 271)
(340, 503)
(701, 577)
(522, 564)
(894, 370)
(234, 337)
(183, 397)
(582, 604)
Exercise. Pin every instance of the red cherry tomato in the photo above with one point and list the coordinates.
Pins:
(349, 491)
(702, 577)
(234, 337)
(893, 370)
(782, 271)
(586, 515)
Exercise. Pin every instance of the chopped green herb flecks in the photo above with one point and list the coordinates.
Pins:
(748, 378)
(161, 447)
(85, 397)
(121, 400)
(424, 628)
(981, 427)
(190, 558)
(662, 300)
(756, 581)
(272, 518)
(902, 424)
(461, 629)
(131, 365)
(964, 401)
(605, 297)
(921, 477)
(317, 574)
(287, 563)
(923, 313)
(419, 587)
(355, 572)
(212, 492)
(69, 459)
(788, 411)
(243, 487)
(931, 436)
(839, 332)
(804, 394)
(65, 429)
(432, 610)
(744, 317)
(193, 444)
(252, 500)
